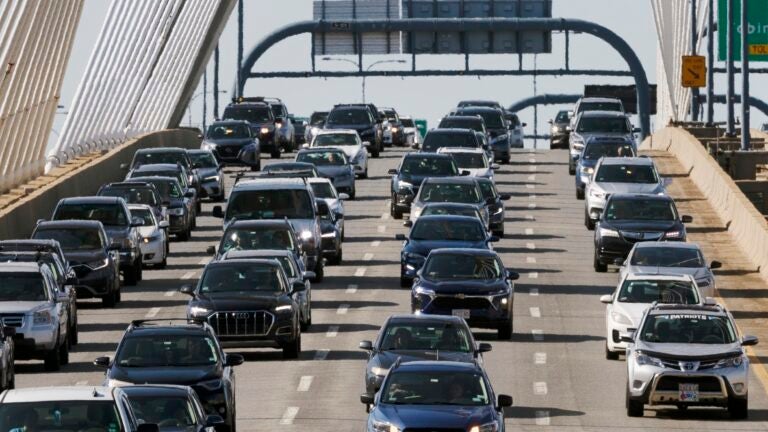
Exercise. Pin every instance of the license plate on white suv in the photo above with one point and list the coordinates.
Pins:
(689, 392)
(464, 313)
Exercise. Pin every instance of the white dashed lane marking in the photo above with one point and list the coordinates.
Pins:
(534, 292)
(305, 383)
(376, 243)
(188, 275)
(542, 418)
(540, 358)
(360, 272)
(535, 312)
(368, 256)
(343, 309)
(530, 260)
(332, 331)
(529, 231)
(531, 246)
(153, 312)
(382, 228)
(540, 388)
(288, 416)
(533, 275)
(321, 354)
(532, 205)
(538, 335)
(351, 289)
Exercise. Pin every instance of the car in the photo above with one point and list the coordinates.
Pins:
(595, 149)
(630, 218)
(497, 130)
(560, 129)
(154, 243)
(248, 303)
(30, 304)
(260, 119)
(323, 188)
(169, 170)
(285, 132)
(479, 103)
(288, 170)
(180, 205)
(411, 132)
(688, 355)
(436, 395)
(90, 254)
(473, 122)
(330, 228)
(294, 270)
(316, 123)
(596, 123)
(680, 258)
(254, 235)
(462, 190)
(393, 128)
(167, 155)
(349, 142)
(170, 407)
(211, 174)
(300, 128)
(280, 198)
(120, 226)
(456, 209)
(469, 283)
(137, 192)
(360, 118)
(81, 407)
(233, 143)
(586, 104)
(150, 349)
(464, 138)
(332, 164)
(407, 338)
(472, 160)
(619, 175)
(435, 232)
(495, 201)
(411, 172)
(515, 129)
(633, 295)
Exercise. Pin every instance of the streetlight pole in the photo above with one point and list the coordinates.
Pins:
(357, 66)
(192, 99)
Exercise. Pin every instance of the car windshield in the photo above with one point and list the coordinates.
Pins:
(594, 151)
(165, 157)
(336, 139)
(323, 190)
(203, 160)
(429, 166)
(562, 117)
(271, 204)
(278, 109)
(167, 188)
(407, 122)
(425, 336)
(72, 238)
(490, 104)
(162, 350)
(108, 214)
(514, 120)
(667, 257)
(243, 278)
(434, 141)
(470, 160)
(318, 118)
(661, 291)
(285, 263)
(345, 116)
(688, 328)
(250, 239)
(147, 219)
(251, 114)
(322, 158)
(425, 387)
(492, 119)
(61, 416)
(488, 189)
(462, 266)
(448, 230)
(19, 286)
(451, 210)
(178, 175)
(626, 174)
(474, 124)
(640, 209)
(132, 195)
(171, 413)
(603, 125)
(465, 193)
(601, 106)
(228, 131)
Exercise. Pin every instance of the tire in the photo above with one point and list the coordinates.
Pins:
(74, 337)
(635, 407)
(505, 331)
(364, 175)
(352, 193)
(199, 207)
(131, 276)
(738, 408)
(571, 168)
(599, 267)
(319, 271)
(64, 353)
(505, 160)
(293, 350)
(499, 233)
(118, 294)
(375, 152)
(185, 235)
(52, 361)
(140, 270)
(164, 263)
(275, 154)
(336, 258)
(12, 379)
(579, 193)
(588, 223)
(610, 355)
(393, 210)
(405, 282)
(109, 300)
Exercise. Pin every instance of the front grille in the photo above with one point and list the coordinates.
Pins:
(81, 270)
(638, 236)
(241, 323)
(672, 383)
(445, 302)
(12, 320)
(229, 151)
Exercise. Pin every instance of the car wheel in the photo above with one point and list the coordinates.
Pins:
(185, 235)
(364, 175)
(74, 337)
(505, 160)
(12, 378)
(52, 361)
(292, 350)
(394, 211)
(571, 167)
(375, 152)
(199, 207)
(118, 294)
(588, 222)
(405, 282)
(599, 267)
(610, 355)
(634, 407)
(275, 154)
(140, 270)
(738, 408)
(131, 276)
(109, 300)
(505, 331)
(499, 233)
(579, 193)
(352, 193)
(64, 353)
(319, 271)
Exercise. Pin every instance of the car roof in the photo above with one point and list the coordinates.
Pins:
(70, 223)
(336, 132)
(229, 122)
(156, 178)
(311, 180)
(91, 200)
(599, 99)
(427, 155)
(270, 183)
(454, 218)
(450, 150)
(199, 151)
(29, 243)
(659, 277)
(319, 150)
(667, 309)
(438, 366)
(479, 101)
(450, 180)
(246, 104)
(602, 114)
(156, 390)
(250, 254)
(162, 150)
(131, 183)
(666, 244)
(449, 204)
(399, 318)
(478, 108)
(19, 267)
(139, 207)
(258, 223)
(474, 118)
(451, 131)
(250, 262)
(69, 393)
(637, 160)
(157, 167)
(631, 196)
(463, 251)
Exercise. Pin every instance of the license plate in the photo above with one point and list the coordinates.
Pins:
(689, 392)
(464, 313)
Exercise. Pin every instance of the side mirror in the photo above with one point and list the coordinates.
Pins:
(400, 237)
(505, 197)
(495, 166)
(343, 196)
(504, 401)
(367, 398)
(607, 299)
(686, 219)
(101, 361)
(114, 247)
(619, 262)
(124, 166)
(187, 289)
(408, 223)
(309, 275)
(189, 194)
(392, 171)
(218, 212)
(628, 337)
(550, 121)
(636, 130)
(210, 250)
(213, 420)
(710, 301)
(305, 146)
(715, 265)
(493, 239)
(298, 286)
(234, 360)
(749, 341)
(148, 427)
(465, 173)
(523, 124)
(366, 144)
(513, 275)
(568, 128)
(484, 347)
(163, 224)
(366, 345)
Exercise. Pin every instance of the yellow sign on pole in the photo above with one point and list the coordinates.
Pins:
(694, 71)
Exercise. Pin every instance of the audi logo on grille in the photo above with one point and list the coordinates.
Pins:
(240, 315)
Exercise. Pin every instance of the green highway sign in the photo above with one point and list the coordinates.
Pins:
(758, 30)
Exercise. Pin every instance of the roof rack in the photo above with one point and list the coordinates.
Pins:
(705, 307)
(142, 322)
(264, 99)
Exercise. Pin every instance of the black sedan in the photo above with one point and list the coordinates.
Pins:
(632, 218)
(180, 205)
(408, 176)
(418, 337)
(210, 172)
(495, 202)
(171, 408)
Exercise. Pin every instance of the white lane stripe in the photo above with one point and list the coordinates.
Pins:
(351, 289)
(532, 168)
(532, 177)
(332, 331)
(531, 246)
(170, 293)
(538, 335)
(368, 256)
(530, 217)
(540, 358)
(533, 275)
(530, 260)
(343, 309)
(542, 418)
(532, 205)
(540, 388)
(305, 383)
(535, 312)
(288, 416)
(153, 312)
(534, 292)
(188, 275)
(360, 272)
(205, 261)
(530, 186)
(81, 383)
(375, 243)
(529, 231)
(321, 354)
(382, 228)
(385, 216)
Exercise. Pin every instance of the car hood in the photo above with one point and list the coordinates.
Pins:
(207, 172)
(635, 188)
(333, 171)
(236, 301)
(165, 375)
(692, 351)
(300, 225)
(19, 306)
(230, 141)
(416, 180)
(696, 272)
(424, 247)
(479, 172)
(349, 150)
(385, 359)
(465, 286)
(117, 233)
(335, 205)
(633, 225)
(436, 417)
(84, 256)
(587, 135)
(633, 311)
(147, 231)
(588, 163)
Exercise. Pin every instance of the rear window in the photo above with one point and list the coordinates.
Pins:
(603, 125)
(107, 214)
(347, 116)
(434, 141)
(271, 204)
(250, 114)
(60, 416)
(475, 125)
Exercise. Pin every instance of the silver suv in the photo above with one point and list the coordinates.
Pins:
(687, 355)
(31, 303)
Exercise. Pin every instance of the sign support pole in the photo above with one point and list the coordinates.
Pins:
(711, 63)
(730, 130)
(694, 37)
(745, 138)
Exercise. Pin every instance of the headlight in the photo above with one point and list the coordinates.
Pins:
(673, 234)
(644, 360)
(207, 146)
(498, 210)
(587, 170)
(42, 317)
(605, 232)
(211, 179)
(379, 426)
(306, 235)
(620, 318)
(730, 362)
(596, 193)
(424, 291)
(394, 130)
(488, 427)
(404, 185)
(284, 308)
(416, 212)
(410, 256)
(704, 283)
(100, 264)
(179, 211)
(117, 383)
(278, 125)
(314, 130)
(378, 371)
(211, 385)
(555, 129)
(264, 130)
(151, 238)
(500, 138)
(197, 311)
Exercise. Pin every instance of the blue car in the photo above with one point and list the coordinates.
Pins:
(436, 396)
(596, 148)
(436, 232)
(469, 283)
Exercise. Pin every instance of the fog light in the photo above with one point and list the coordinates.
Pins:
(637, 384)
(738, 388)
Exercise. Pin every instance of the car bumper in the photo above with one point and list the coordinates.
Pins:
(610, 248)
(214, 189)
(214, 402)
(344, 184)
(331, 245)
(127, 258)
(153, 252)
(94, 283)
(359, 167)
(177, 224)
(33, 342)
(658, 386)
(483, 312)
(403, 200)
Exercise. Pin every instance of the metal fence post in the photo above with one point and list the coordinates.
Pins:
(745, 138)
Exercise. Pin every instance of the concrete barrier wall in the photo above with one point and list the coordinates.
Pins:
(744, 222)
(18, 219)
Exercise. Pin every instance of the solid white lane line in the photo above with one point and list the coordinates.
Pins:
(305, 383)
(368, 256)
(205, 261)
(81, 383)
(542, 418)
(351, 289)
(534, 292)
(153, 312)
(533, 275)
(532, 205)
(382, 228)
(531, 246)
(360, 272)
(538, 335)
(321, 354)
(540, 358)
(343, 309)
(529, 231)
(288, 416)
(375, 243)
(332, 331)
(535, 312)
(530, 260)
(188, 275)
(540, 388)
